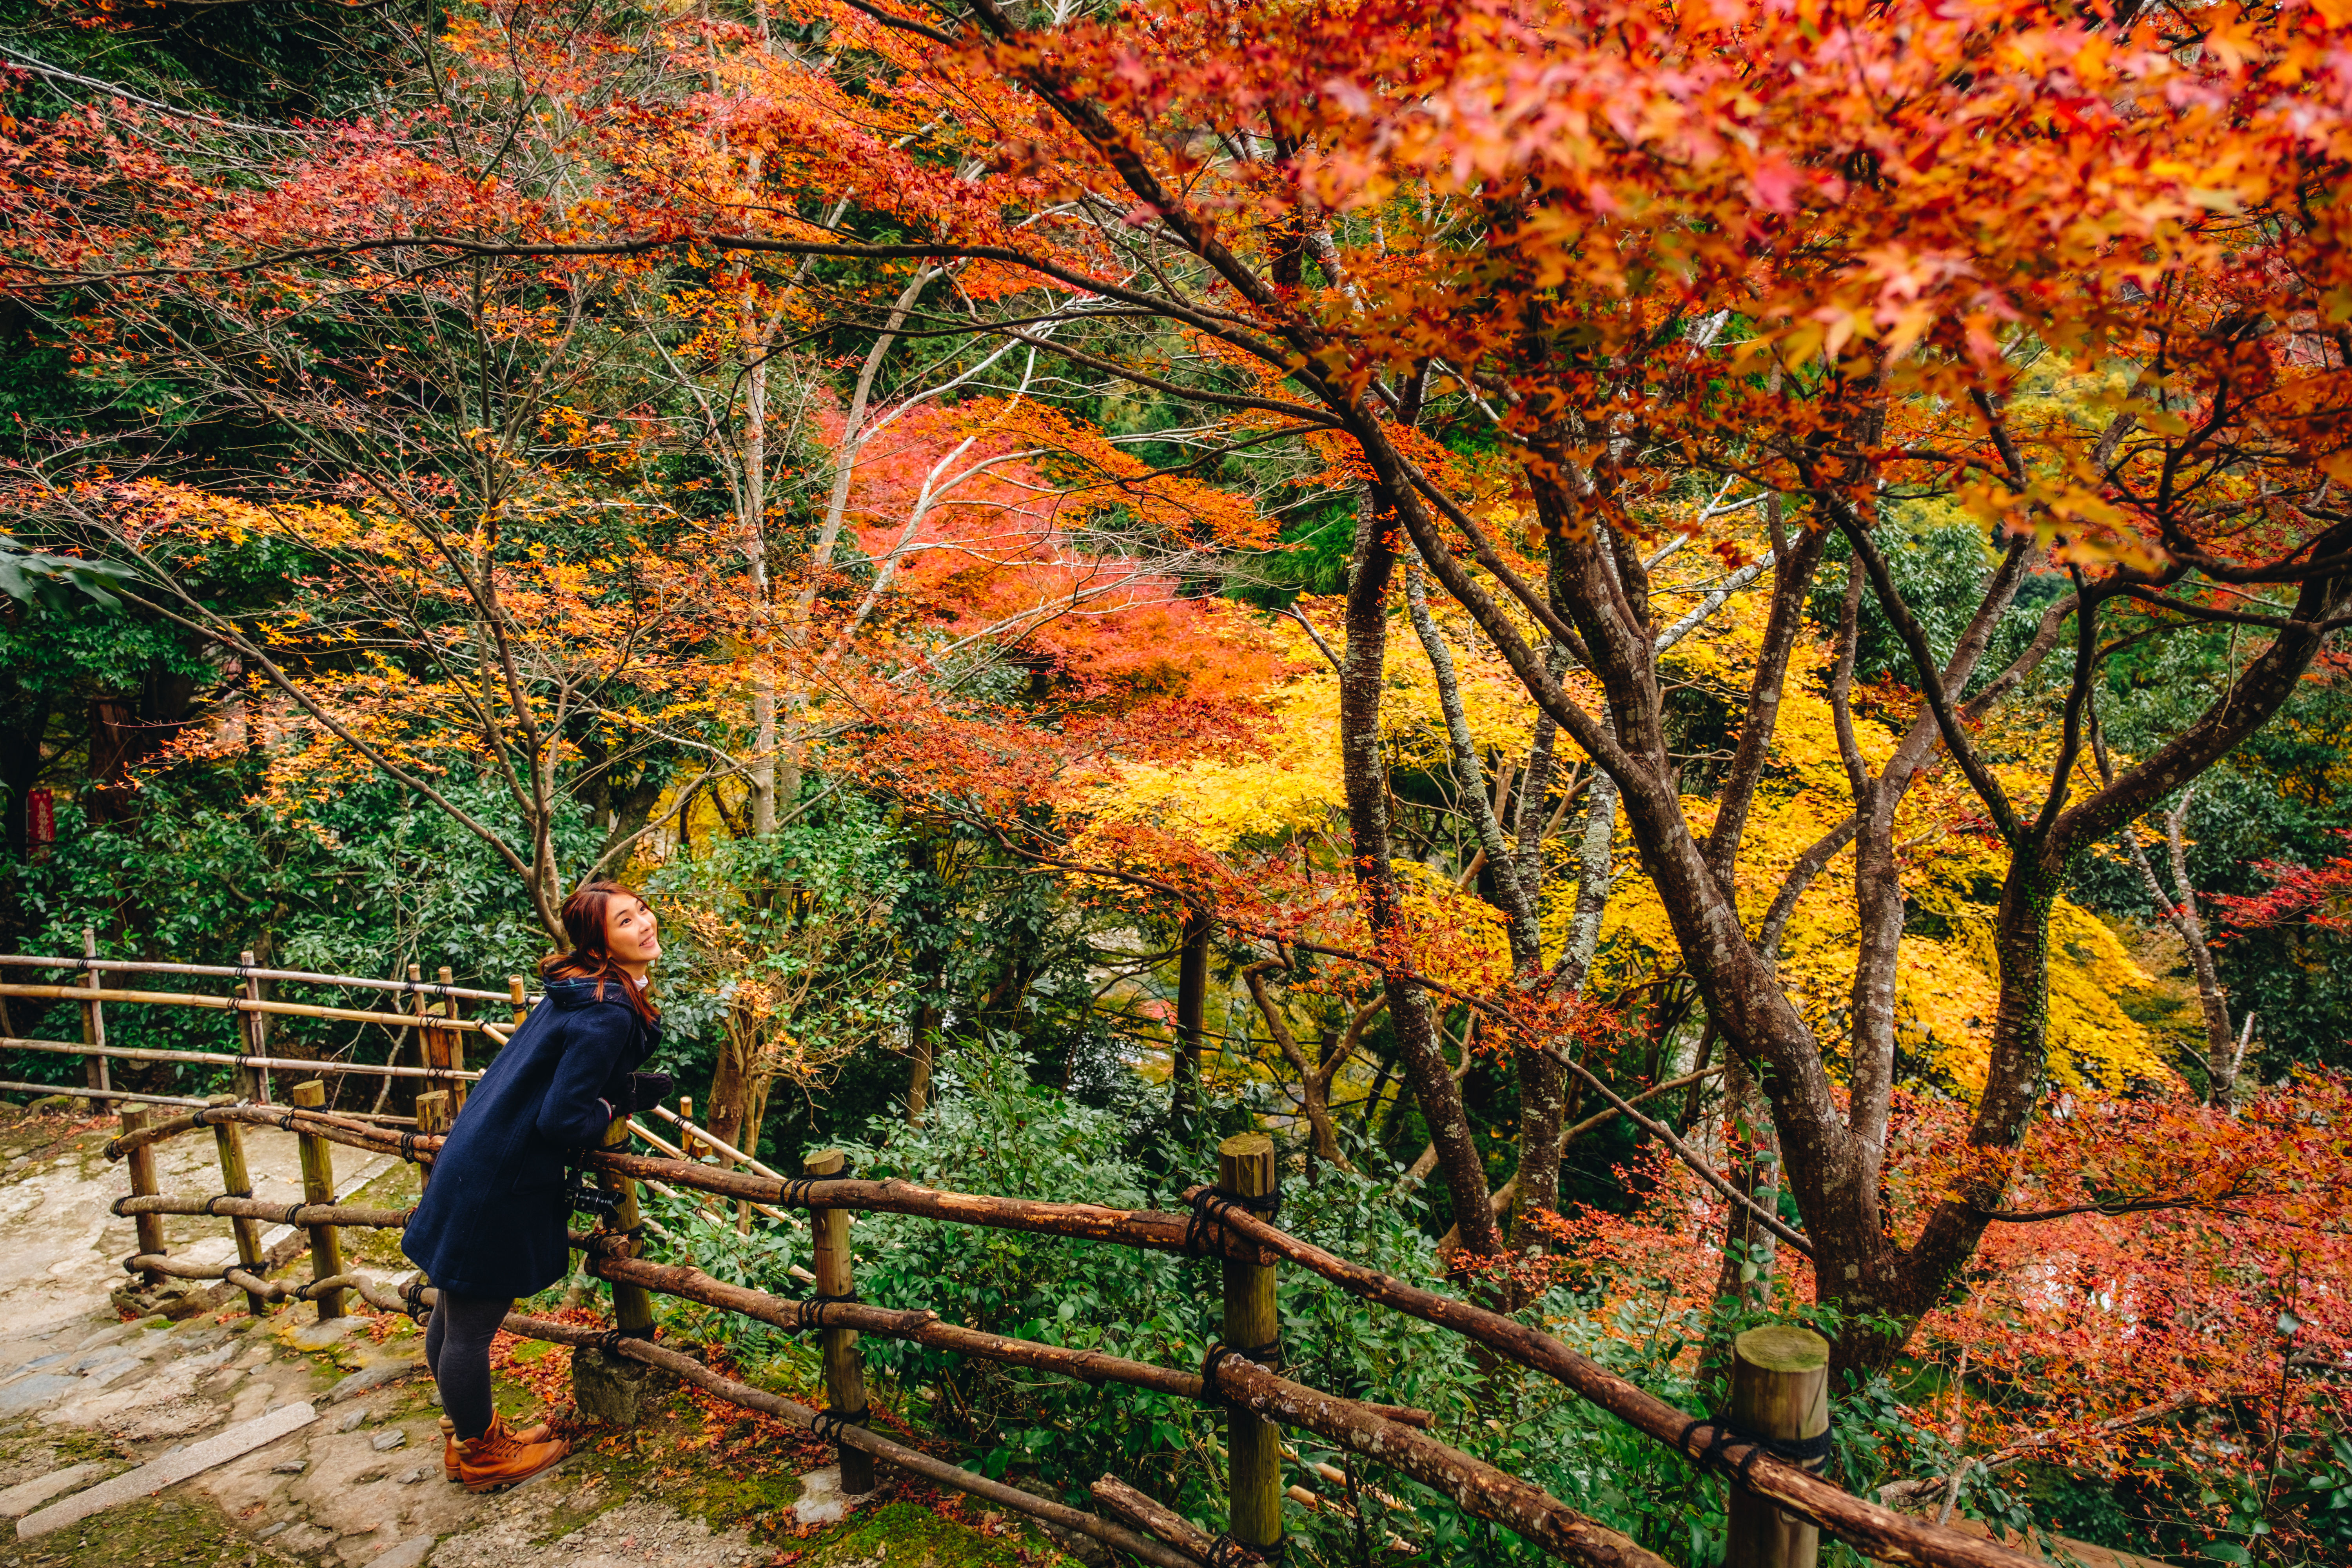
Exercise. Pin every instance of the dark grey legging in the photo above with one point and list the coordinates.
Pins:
(458, 1353)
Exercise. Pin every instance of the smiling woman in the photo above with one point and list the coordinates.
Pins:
(490, 1226)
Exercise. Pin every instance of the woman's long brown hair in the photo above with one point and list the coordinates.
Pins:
(590, 959)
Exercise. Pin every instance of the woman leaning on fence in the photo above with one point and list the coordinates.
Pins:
(491, 1225)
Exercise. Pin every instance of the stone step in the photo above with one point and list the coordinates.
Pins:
(169, 1471)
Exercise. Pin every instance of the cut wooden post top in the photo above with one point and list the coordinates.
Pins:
(1782, 1347)
(311, 1094)
(1245, 1165)
(824, 1162)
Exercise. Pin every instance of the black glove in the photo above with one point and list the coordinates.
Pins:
(648, 1090)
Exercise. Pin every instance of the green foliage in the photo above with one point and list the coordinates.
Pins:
(2277, 797)
(1938, 565)
(33, 576)
(368, 881)
(2319, 1490)
(994, 1128)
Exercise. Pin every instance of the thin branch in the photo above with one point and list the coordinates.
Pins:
(1923, 659)
(1683, 1151)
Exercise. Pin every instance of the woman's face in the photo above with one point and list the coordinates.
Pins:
(629, 934)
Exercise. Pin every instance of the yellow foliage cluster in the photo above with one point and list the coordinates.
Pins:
(1946, 984)
(1290, 789)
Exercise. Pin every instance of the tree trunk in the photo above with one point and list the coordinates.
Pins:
(1313, 1077)
(926, 1049)
(1365, 775)
(1541, 1100)
(753, 523)
(738, 1082)
(1908, 1283)
(2224, 1053)
(1191, 1019)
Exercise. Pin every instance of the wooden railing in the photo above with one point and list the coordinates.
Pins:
(441, 1034)
(1243, 1374)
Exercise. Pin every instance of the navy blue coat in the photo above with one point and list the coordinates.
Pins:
(493, 1217)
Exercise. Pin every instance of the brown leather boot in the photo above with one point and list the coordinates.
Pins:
(498, 1458)
(537, 1432)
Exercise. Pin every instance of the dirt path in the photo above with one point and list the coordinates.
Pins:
(86, 1396)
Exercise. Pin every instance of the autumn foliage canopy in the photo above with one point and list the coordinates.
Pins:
(924, 398)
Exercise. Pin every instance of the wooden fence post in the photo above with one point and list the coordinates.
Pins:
(452, 1051)
(94, 1073)
(236, 1182)
(430, 1052)
(518, 999)
(416, 1012)
(1780, 1389)
(432, 1117)
(319, 1187)
(142, 1162)
(845, 1371)
(633, 1305)
(1246, 1168)
(606, 1385)
(254, 1028)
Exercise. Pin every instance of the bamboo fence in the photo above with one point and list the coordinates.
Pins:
(243, 972)
(1246, 1380)
(440, 1032)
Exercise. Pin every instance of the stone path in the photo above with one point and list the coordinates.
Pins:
(317, 1444)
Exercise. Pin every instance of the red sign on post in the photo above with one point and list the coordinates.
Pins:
(40, 822)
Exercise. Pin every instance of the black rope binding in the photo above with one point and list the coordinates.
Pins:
(1215, 1358)
(1224, 1551)
(829, 1422)
(812, 1308)
(1210, 1207)
(1808, 1452)
(414, 1294)
(801, 1191)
